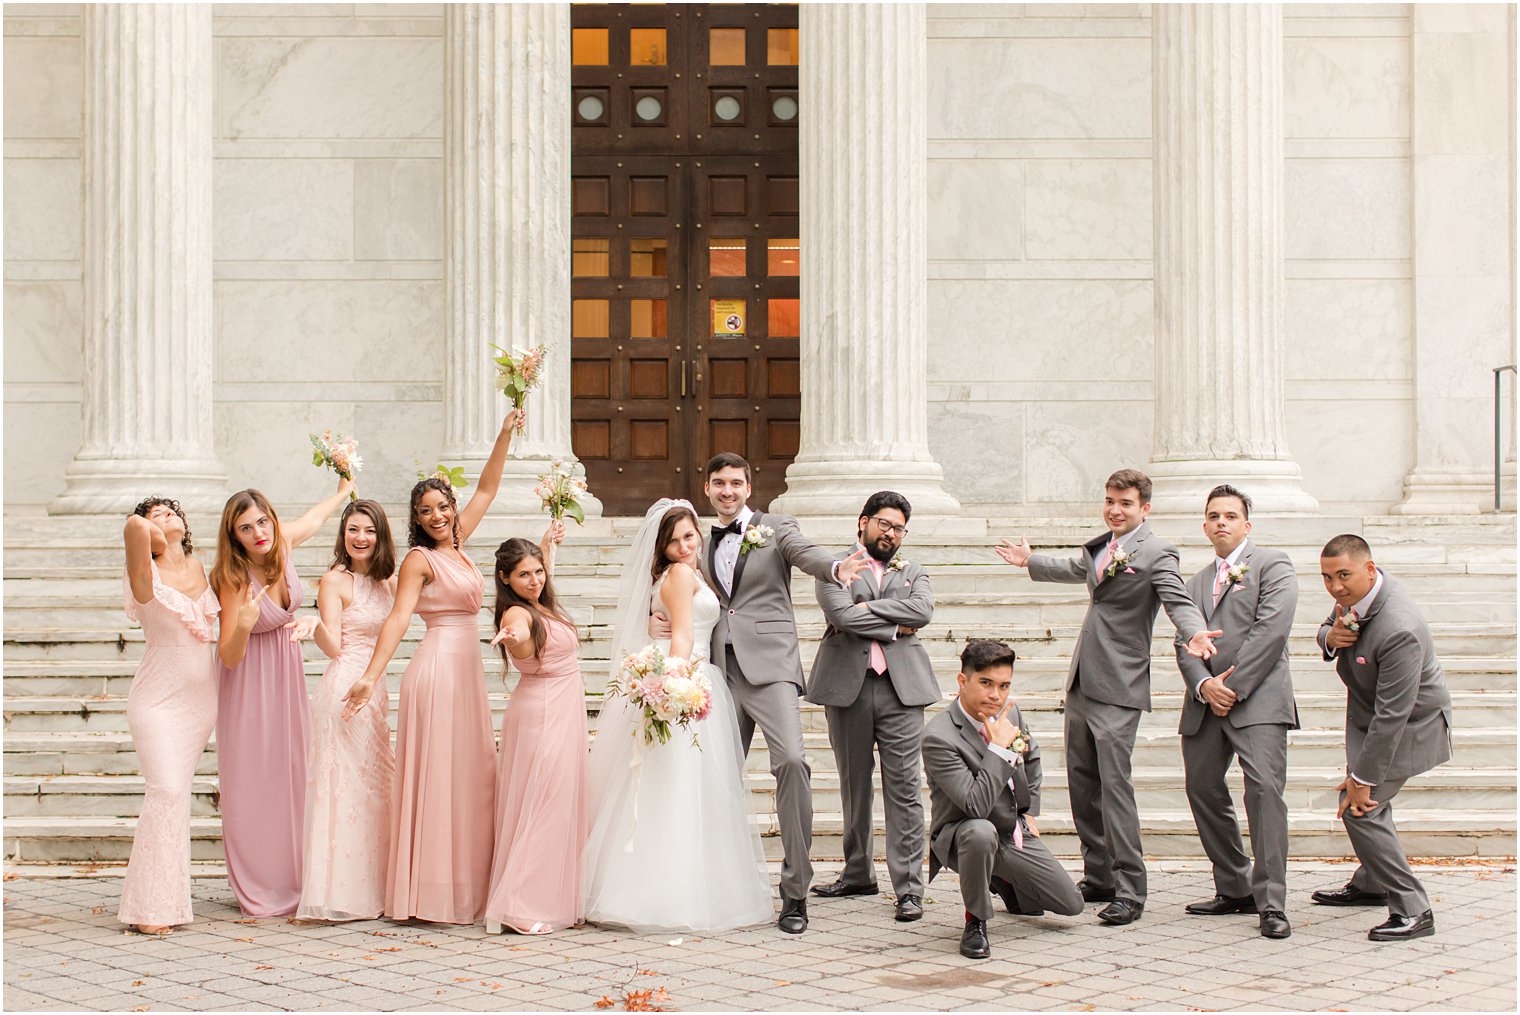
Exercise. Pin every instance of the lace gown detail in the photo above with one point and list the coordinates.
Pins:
(350, 770)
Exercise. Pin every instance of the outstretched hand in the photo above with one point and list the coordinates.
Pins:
(851, 568)
(507, 634)
(1201, 645)
(357, 697)
(303, 627)
(1017, 554)
(1340, 634)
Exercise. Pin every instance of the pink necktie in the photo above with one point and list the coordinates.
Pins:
(1219, 580)
(1018, 823)
(878, 657)
(1108, 558)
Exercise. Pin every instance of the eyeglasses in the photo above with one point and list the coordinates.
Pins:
(897, 530)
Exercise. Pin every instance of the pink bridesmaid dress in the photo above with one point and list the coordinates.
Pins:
(262, 729)
(171, 711)
(541, 817)
(441, 816)
(348, 786)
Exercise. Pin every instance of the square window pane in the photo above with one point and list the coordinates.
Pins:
(588, 47)
(588, 319)
(646, 319)
(783, 256)
(646, 47)
(725, 47)
(781, 47)
(589, 257)
(646, 257)
(784, 318)
(726, 256)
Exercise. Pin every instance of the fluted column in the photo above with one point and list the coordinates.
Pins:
(862, 83)
(147, 426)
(1219, 411)
(507, 256)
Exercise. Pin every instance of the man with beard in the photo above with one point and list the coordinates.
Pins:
(873, 678)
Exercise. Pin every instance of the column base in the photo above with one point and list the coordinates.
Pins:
(841, 487)
(1508, 491)
(518, 478)
(1275, 486)
(1447, 493)
(114, 486)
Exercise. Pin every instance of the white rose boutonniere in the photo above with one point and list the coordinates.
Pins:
(1236, 575)
(1122, 557)
(755, 537)
(896, 563)
(1020, 741)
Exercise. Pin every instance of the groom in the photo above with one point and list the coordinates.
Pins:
(749, 560)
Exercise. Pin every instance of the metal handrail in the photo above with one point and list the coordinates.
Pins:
(1499, 434)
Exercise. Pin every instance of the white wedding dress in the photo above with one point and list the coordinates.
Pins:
(671, 845)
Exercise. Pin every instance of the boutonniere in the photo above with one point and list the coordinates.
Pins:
(1020, 741)
(1236, 575)
(1122, 558)
(755, 537)
(896, 563)
(1351, 624)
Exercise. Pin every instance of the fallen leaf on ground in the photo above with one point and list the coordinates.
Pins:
(11, 875)
(464, 979)
(392, 948)
(366, 958)
(141, 1007)
(253, 922)
(783, 983)
(245, 940)
(138, 983)
(605, 1002)
(649, 972)
(263, 967)
(97, 910)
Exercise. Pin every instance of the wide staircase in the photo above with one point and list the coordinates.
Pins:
(73, 786)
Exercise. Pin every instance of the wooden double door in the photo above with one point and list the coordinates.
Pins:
(685, 252)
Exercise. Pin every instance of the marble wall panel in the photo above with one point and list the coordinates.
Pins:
(284, 209)
(1070, 448)
(1454, 111)
(1467, 321)
(44, 332)
(1354, 453)
(1332, 327)
(1346, 209)
(1346, 88)
(330, 88)
(44, 87)
(266, 444)
(1455, 205)
(43, 210)
(34, 465)
(975, 209)
(1039, 88)
(980, 445)
(396, 437)
(1098, 209)
(338, 331)
(398, 209)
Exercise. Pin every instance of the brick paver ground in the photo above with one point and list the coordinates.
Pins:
(64, 949)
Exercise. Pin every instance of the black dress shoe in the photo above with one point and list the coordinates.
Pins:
(974, 939)
(1091, 894)
(1222, 905)
(1010, 898)
(1404, 928)
(840, 889)
(1274, 924)
(1348, 895)
(1121, 912)
(793, 919)
(909, 908)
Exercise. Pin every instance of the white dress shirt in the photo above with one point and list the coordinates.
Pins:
(726, 553)
(1231, 561)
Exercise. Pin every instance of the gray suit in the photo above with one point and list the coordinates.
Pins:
(755, 644)
(1109, 685)
(974, 815)
(1398, 724)
(886, 711)
(1256, 616)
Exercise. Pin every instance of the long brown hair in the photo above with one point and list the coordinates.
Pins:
(508, 555)
(668, 523)
(416, 535)
(382, 562)
(230, 570)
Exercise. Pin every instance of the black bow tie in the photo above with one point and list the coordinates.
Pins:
(719, 531)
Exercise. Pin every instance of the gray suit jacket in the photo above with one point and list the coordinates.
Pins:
(1256, 616)
(757, 618)
(844, 655)
(966, 780)
(1113, 650)
(1398, 709)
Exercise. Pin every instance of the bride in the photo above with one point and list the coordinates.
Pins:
(671, 845)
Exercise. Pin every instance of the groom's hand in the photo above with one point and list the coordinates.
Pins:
(659, 627)
(1016, 554)
(850, 568)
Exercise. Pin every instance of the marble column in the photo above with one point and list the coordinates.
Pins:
(507, 215)
(862, 85)
(1219, 414)
(148, 340)
(1463, 244)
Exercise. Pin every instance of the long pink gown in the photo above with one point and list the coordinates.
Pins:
(541, 816)
(441, 819)
(171, 711)
(351, 767)
(262, 729)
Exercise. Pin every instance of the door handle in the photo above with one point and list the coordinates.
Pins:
(683, 378)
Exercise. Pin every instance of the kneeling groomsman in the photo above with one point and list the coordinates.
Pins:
(984, 784)
(1239, 703)
(873, 678)
(1398, 724)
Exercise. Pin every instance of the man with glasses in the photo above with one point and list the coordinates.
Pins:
(873, 678)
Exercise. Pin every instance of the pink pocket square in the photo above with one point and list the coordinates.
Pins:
(1361, 660)
(1129, 570)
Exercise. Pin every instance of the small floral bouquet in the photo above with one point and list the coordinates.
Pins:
(755, 537)
(339, 453)
(518, 373)
(669, 690)
(1122, 557)
(454, 477)
(560, 490)
(1236, 574)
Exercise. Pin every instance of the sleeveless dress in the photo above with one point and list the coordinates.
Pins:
(348, 786)
(541, 792)
(671, 845)
(171, 710)
(262, 729)
(441, 819)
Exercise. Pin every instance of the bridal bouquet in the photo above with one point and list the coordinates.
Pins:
(518, 373)
(560, 489)
(669, 690)
(339, 453)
